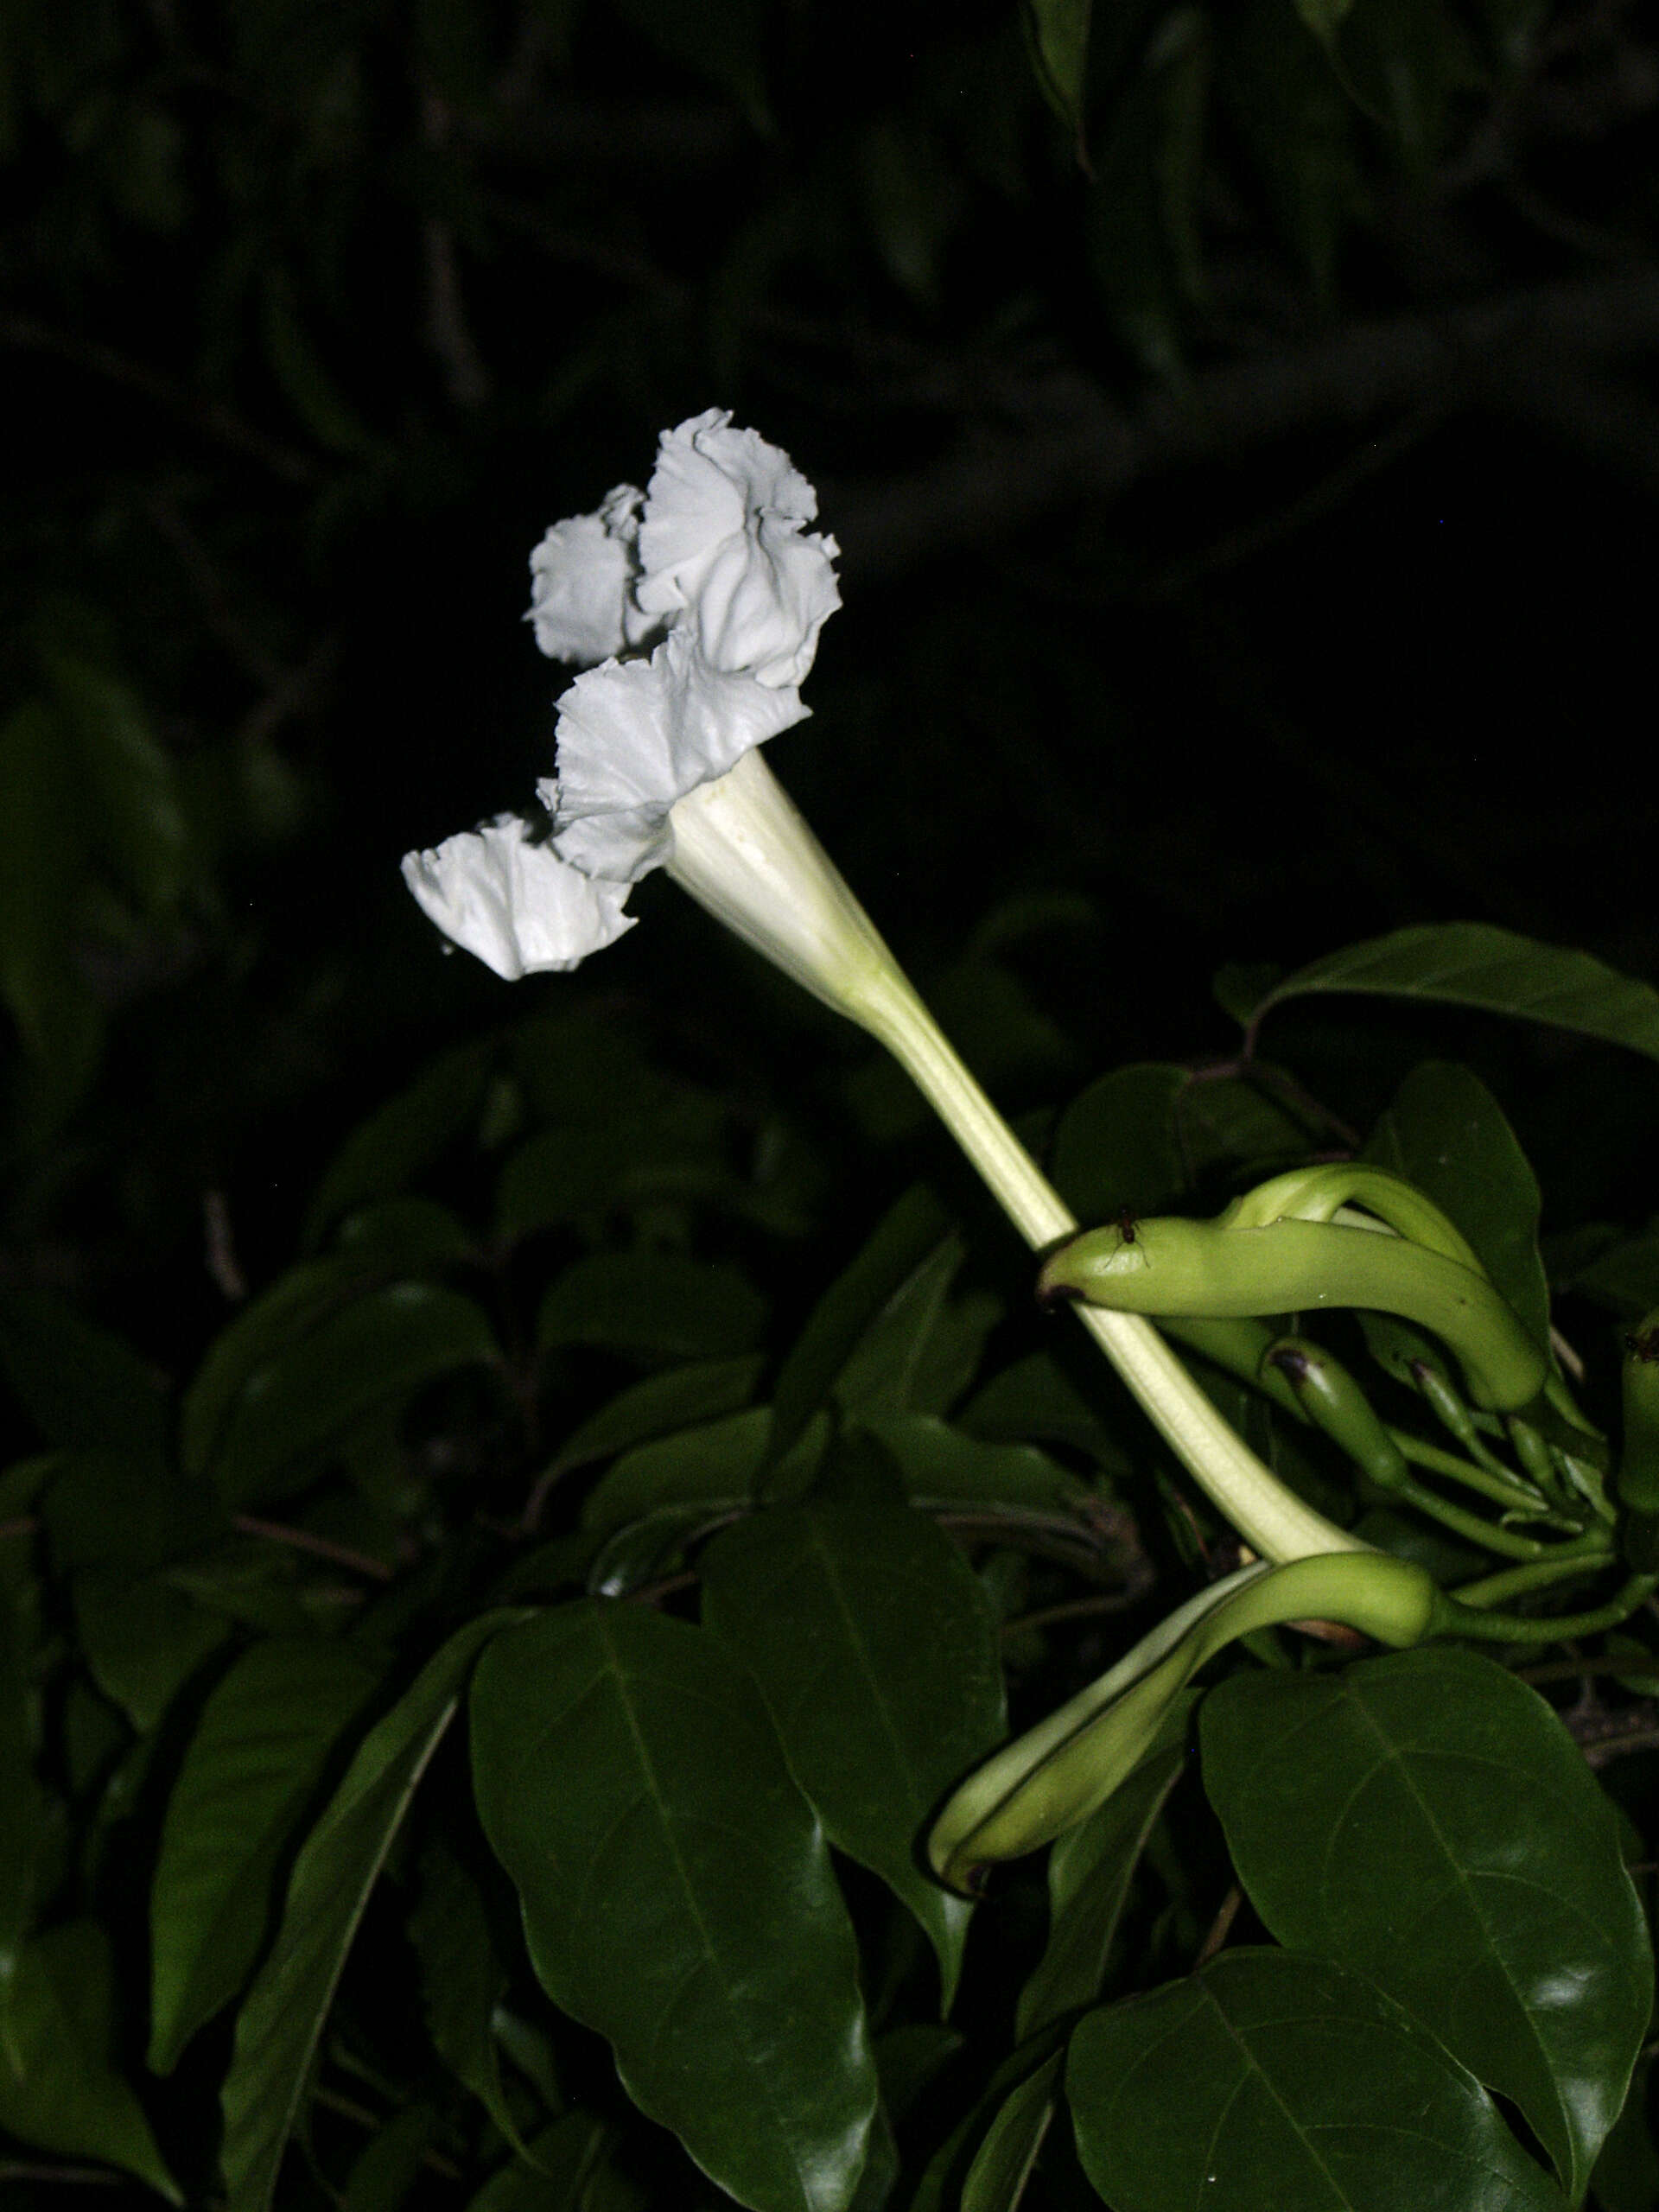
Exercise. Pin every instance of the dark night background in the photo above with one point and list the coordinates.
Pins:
(1245, 489)
(1244, 443)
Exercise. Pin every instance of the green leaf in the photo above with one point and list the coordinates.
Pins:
(401, 1139)
(719, 1462)
(877, 1651)
(941, 1466)
(1001, 2166)
(1117, 1144)
(911, 1232)
(921, 1350)
(385, 2170)
(1324, 18)
(258, 1751)
(663, 1304)
(1089, 1872)
(78, 1383)
(562, 2157)
(376, 1350)
(1059, 36)
(1426, 1819)
(404, 1236)
(462, 1980)
(1273, 2083)
(677, 1893)
(58, 2086)
(143, 1640)
(659, 1405)
(278, 2029)
(1473, 964)
(127, 784)
(1443, 1131)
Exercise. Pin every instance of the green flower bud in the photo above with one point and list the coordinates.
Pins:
(1055, 1775)
(1171, 1265)
(1332, 1400)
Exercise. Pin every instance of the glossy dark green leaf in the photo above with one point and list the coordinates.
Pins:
(677, 1893)
(658, 1406)
(281, 2016)
(1271, 2082)
(267, 1327)
(663, 1304)
(940, 2187)
(1117, 1145)
(376, 1350)
(716, 1462)
(655, 1544)
(401, 1139)
(143, 1640)
(911, 1231)
(877, 1651)
(1474, 964)
(939, 1464)
(1090, 1871)
(1427, 1820)
(59, 2088)
(462, 1980)
(78, 1383)
(996, 2180)
(1034, 1400)
(256, 1755)
(920, 1351)
(562, 2157)
(1443, 1131)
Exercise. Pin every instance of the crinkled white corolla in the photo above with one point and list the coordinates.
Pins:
(701, 599)
(514, 902)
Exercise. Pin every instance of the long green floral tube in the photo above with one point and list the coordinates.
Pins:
(1054, 1776)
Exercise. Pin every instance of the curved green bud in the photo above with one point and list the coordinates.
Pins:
(1639, 1458)
(1171, 1265)
(1239, 1346)
(1321, 1194)
(1331, 1399)
(1055, 1775)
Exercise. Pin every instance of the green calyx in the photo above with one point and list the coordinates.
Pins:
(1055, 1775)
(1253, 1261)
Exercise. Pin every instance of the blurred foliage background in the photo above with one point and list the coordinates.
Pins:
(1238, 420)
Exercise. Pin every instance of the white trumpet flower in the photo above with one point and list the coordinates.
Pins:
(701, 599)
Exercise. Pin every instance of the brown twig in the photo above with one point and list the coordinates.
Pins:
(1220, 1927)
(302, 1540)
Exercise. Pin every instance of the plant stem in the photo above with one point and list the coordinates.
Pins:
(1517, 1581)
(1548, 1627)
(1270, 1517)
(1502, 1490)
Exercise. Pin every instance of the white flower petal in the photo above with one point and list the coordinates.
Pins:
(582, 582)
(513, 902)
(636, 736)
(721, 536)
